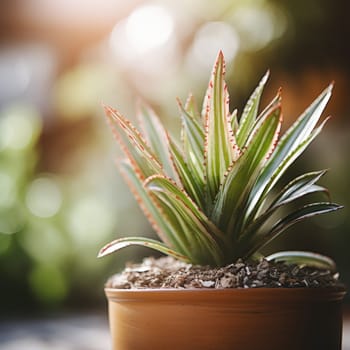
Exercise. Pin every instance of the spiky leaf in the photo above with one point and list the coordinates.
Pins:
(290, 220)
(157, 138)
(296, 189)
(220, 145)
(192, 184)
(304, 258)
(288, 149)
(133, 144)
(193, 143)
(193, 221)
(241, 176)
(142, 241)
(250, 113)
(162, 224)
(211, 199)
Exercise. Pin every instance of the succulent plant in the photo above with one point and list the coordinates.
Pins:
(211, 196)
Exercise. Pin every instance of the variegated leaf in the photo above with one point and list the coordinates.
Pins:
(300, 130)
(234, 122)
(199, 226)
(304, 258)
(289, 148)
(139, 153)
(142, 241)
(274, 169)
(166, 229)
(209, 201)
(193, 144)
(290, 220)
(158, 139)
(193, 185)
(220, 148)
(250, 113)
(298, 188)
(191, 108)
(236, 187)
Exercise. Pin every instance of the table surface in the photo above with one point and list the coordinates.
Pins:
(73, 332)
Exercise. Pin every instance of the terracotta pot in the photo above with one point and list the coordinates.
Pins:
(256, 319)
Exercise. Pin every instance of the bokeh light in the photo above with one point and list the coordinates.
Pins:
(148, 27)
(14, 70)
(45, 243)
(209, 39)
(8, 189)
(79, 91)
(5, 243)
(44, 198)
(48, 283)
(19, 127)
(89, 220)
(258, 26)
(145, 41)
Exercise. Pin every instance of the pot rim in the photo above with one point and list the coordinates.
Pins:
(333, 293)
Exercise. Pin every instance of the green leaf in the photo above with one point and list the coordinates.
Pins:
(234, 122)
(132, 144)
(194, 220)
(166, 229)
(288, 149)
(241, 176)
(193, 185)
(303, 213)
(250, 113)
(277, 100)
(193, 144)
(256, 203)
(274, 169)
(290, 220)
(210, 200)
(299, 187)
(158, 139)
(220, 148)
(191, 108)
(142, 241)
(296, 189)
(304, 258)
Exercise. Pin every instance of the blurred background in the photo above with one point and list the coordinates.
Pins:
(61, 196)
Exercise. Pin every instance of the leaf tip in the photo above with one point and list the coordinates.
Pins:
(106, 108)
(101, 253)
(179, 103)
(265, 77)
(221, 55)
(219, 62)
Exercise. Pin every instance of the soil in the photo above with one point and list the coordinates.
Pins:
(167, 272)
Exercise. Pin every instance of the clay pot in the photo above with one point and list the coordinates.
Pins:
(261, 318)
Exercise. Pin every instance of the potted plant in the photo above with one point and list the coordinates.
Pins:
(212, 200)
